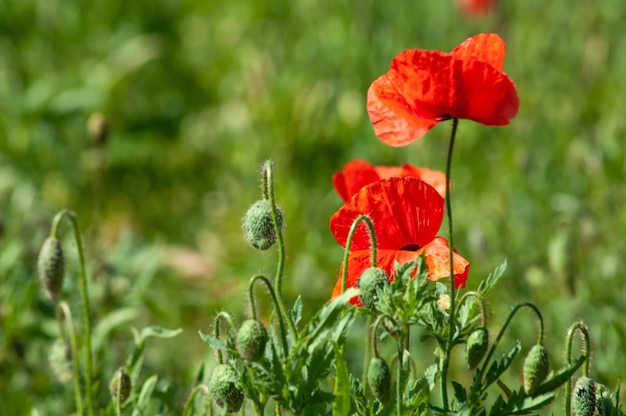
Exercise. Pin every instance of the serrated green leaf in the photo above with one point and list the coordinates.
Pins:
(341, 403)
(498, 368)
(296, 311)
(459, 392)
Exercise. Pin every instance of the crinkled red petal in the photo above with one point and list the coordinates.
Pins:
(354, 176)
(403, 210)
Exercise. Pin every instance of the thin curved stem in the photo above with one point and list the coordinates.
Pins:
(451, 322)
(268, 183)
(509, 318)
(216, 329)
(64, 314)
(200, 388)
(85, 297)
(281, 323)
(584, 334)
(346, 252)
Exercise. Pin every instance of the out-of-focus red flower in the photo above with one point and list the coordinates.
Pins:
(425, 87)
(407, 214)
(358, 173)
(476, 8)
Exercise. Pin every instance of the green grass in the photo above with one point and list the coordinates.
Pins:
(200, 93)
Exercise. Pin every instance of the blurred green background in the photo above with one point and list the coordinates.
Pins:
(199, 93)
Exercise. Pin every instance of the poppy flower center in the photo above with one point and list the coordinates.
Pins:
(410, 247)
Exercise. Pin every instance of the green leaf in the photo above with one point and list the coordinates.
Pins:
(158, 332)
(214, 342)
(111, 321)
(459, 392)
(296, 311)
(341, 404)
(486, 285)
(560, 378)
(498, 368)
(143, 400)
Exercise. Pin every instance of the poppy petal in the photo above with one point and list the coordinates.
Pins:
(435, 178)
(411, 98)
(403, 210)
(483, 94)
(354, 176)
(485, 47)
(437, 254)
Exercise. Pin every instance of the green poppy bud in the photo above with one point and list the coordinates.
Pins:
(120, 384)
(379, 379)
(51, 267)
(224, 388)
(476, 347)
(60, 361)
(584, 397)
(251, 340)
(371, 280)
(536, 368)
(258, 226)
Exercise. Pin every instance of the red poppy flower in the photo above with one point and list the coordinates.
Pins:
(407, 214)
(358, 173)
(476, 7)
(424, 87)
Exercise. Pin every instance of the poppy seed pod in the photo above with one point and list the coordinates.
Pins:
(60, 361)
(120, 383)
(251, 340)
(476, 347)
(379, 379)
(584, 397)
(224, 388)
(370, 281)
(51, 267)
(536, 368)
(258, 225)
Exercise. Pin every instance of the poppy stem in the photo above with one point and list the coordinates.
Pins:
(584, 334)
(483, 368)
(84, 290)
(64, 315)
(270, 289)
(451, 324)
(268, 190)
(346, 252)
(225, 316)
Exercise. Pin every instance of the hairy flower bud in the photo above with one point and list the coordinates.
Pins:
(476, 347)
(224, 388)
(536, 368)
(379, 379)
(584, 397)
(51, 267)
(60, 361)
(251, 340)
(258, 225)
(371, 280)
(120, 383)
